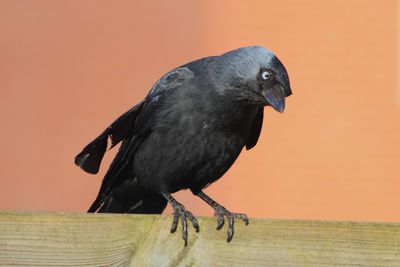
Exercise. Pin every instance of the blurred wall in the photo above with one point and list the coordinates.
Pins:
(68, 68)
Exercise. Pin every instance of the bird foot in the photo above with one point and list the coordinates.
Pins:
(183, 214)
(221, 213)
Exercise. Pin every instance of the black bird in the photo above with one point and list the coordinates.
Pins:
(187, 133)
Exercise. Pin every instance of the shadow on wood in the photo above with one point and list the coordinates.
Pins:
(78, 239)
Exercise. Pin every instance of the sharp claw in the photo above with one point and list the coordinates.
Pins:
(220, 222)
(181, 213)
(174, 223)
(185, 237)
(194, 221)
(221, 213)
(230, 228)
(196, 226)
(184, 228)
(246, 220)
(243, 217)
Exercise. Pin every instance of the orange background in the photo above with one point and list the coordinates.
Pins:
(69, 68)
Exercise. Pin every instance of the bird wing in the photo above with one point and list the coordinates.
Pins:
(90, 158)
(131, 128)
(255, 129)
(135, 120)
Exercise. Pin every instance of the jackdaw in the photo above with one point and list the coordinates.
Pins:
(186, 134)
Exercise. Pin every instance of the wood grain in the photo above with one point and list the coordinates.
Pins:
(77, 239)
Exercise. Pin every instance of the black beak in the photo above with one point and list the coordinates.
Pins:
(275, 96)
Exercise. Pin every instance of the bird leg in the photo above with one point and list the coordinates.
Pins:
(221, 212)
(184, 214)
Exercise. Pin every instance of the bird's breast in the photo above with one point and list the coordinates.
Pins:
(191, 149)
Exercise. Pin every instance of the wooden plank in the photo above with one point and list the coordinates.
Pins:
(77, 239)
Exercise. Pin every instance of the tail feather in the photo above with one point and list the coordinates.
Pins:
(129, 197)
(137, 204)
(95, 205)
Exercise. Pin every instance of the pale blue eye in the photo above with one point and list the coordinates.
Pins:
(265, 75)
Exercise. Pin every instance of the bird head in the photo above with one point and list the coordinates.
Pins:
(259, 77)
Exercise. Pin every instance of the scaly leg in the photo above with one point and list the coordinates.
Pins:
(181, 212)
(221, 212)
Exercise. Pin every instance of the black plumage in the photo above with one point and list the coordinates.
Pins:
(187, 133)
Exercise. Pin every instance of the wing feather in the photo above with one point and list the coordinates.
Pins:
(126, 125)
(255, 129)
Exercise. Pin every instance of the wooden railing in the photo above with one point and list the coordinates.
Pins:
(78, 239)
